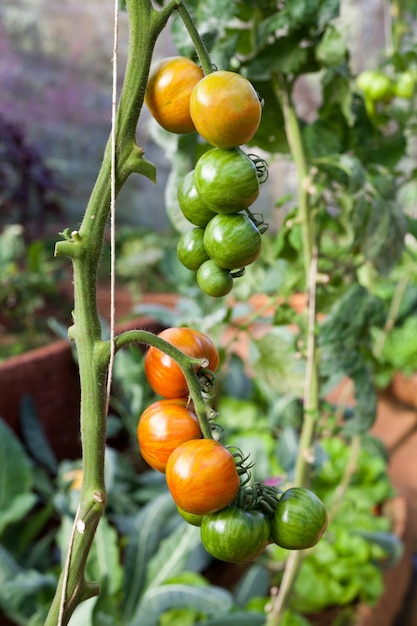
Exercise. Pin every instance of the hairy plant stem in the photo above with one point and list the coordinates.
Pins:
(84, 247)
(311, 397)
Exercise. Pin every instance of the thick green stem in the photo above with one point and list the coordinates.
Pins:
(311, 391)
(85, 248)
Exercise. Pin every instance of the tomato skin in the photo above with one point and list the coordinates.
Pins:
(202, 477)
(299, 521)
(190, 518)
(225, 109)
(190, 249)
(226, 180)
(162, 427)
(191, 205)
(376, 85)
(163, 374)
(232, 241)
(405, 84)
(235, 535)
(170, 83)
(214, 280)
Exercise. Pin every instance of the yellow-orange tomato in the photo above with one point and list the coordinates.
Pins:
(162, 427)
(168, 92)
(225, 109)
(202, 477)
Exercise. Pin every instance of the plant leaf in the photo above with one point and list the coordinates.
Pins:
(34, 436)
(237, 619)
(172, 555)
(211, 600)
(16, 479)
(145, 535)
(255, 582)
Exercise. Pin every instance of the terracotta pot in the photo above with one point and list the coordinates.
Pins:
(49, 376)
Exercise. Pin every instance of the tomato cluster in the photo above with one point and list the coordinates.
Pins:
(224, 108)
(215, 197)
(209, 483)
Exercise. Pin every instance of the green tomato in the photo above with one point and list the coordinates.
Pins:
(190, 248)
(191, 205)
(232, 241)
(299, 521)
(235, 535)
(226, 180)
(404, 85)
(214, 280)
(376, 85)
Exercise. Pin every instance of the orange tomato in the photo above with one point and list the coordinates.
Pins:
(202, 477)
(162, 372)
(163, 426)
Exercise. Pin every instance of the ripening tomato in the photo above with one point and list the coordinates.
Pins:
(202, 477)
(235, 535)
(214, 280)
(162, 427)
(168, 92)
(190, 248)
(300, 519)
(232, 241)
(226, 109)
(191, 205)
(226, 180)
(162, 372)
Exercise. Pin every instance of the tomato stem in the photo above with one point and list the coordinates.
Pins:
(187, 364)
(282, 91)
(198, 43)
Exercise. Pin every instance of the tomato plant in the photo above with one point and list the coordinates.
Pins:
(234, 534)
(170, 83)
(162, 372)
(226, 180)
(225, 109)
(202, 477)
(162, 427)
(232, 241)
(300, 519)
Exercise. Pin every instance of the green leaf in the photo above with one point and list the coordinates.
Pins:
(391, 544)
(254, 583)
(156, 600)
(275, 363)
(172, 555)
(383, 234)
(16, 496)
(34, 436)
(104, 559)
(331, 50)
(145, 535)
(284, 56)
(21, 590)
(239, 618)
